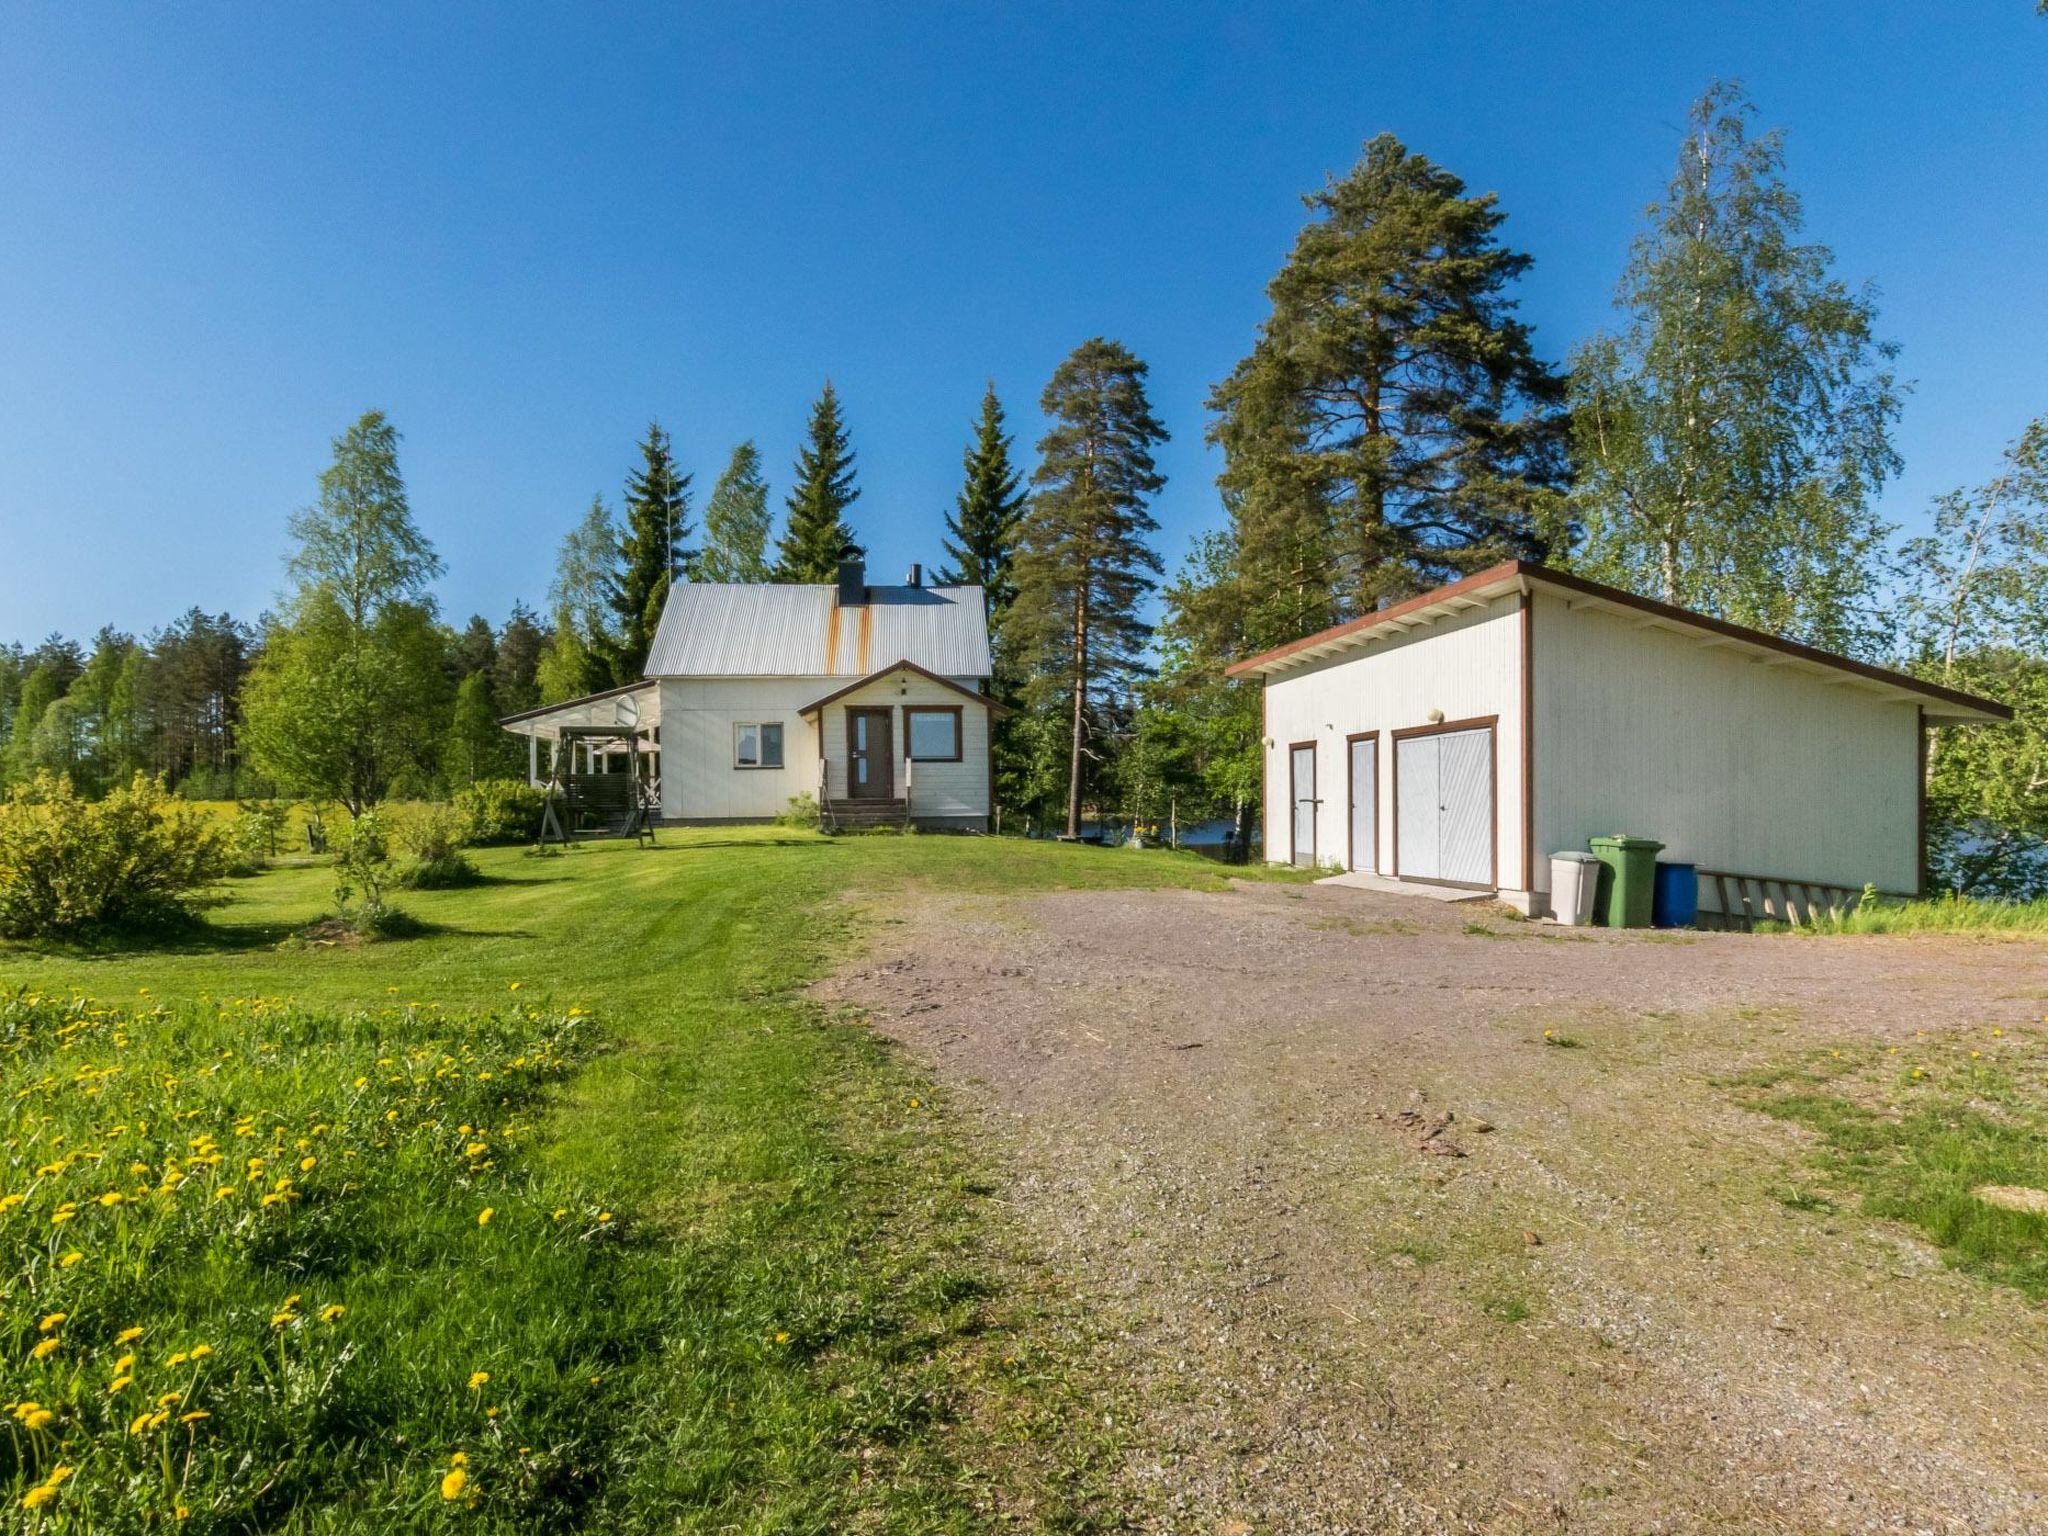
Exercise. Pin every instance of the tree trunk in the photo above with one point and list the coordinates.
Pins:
(1080, 700)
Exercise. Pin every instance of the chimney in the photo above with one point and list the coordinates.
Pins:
(853, 579)
(916, 576)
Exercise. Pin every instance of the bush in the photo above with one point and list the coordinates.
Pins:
(802, 811)
(501, 811)
(252, 836)
(362, 873)
(434, 837)
(69, 865)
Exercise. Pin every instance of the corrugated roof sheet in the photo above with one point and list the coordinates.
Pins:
(774, 630)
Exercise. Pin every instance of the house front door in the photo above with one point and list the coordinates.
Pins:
(870, 755)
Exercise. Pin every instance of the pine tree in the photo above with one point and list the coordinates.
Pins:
(516, 666)
(1392, 427)
(982, 530)
(651, 549)
(1083, 565)
(818, 502)
(736, 522)
(1731, 436)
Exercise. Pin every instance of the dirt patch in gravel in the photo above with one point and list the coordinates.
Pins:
(1375, 1253)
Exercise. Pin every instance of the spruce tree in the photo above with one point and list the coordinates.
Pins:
(651, 549)
(1732, 434)
(818, 501)
(736, 522)
(1084, 566)
(516, 666)
(982, 530)
(1392, 427)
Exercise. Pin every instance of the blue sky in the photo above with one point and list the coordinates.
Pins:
(524, 231)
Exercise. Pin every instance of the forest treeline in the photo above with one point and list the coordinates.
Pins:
(1393, 425)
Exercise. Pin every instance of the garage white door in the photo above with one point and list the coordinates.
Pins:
(1302, 775)
(1365, 804)
(1444, 786)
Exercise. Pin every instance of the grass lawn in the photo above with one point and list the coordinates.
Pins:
(737, 1274)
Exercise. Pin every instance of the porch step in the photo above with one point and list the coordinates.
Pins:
(843, 814)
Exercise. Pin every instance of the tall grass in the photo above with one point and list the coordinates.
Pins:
(1942, 914)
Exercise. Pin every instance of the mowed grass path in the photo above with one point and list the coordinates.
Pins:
(839, 1351)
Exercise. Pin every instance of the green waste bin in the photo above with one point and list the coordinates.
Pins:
(1628, 883)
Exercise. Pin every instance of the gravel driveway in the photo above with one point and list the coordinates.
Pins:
(1582, 1304)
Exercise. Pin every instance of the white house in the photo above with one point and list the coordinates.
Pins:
(1463, 736)
(872, 698)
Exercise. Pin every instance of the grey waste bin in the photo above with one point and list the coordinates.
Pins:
(1574, 883)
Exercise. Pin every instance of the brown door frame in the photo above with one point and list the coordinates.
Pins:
(1491, 725)
(1293, 800)
(886, 779)
(1351, 799)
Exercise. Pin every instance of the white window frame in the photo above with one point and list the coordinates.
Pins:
(952, 712)
(760, 728)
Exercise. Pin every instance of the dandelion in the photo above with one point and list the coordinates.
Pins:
(478, 1380)
(513, 988)
(306, 1164)
(604, 1215)
(41, 1418)
(194, 1416)
(782, 1338)
(70, 1259)
(331, 1311)
(50, 1322)
(124, 1362)
(483, 1217)
(119, 1384)
(453, 1484)
(47, 1348)
(140, 1422)
(127, 1335)
(201, 1351)
(459, 1459)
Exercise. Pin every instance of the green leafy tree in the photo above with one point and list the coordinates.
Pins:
(820, 498)
(1974, 612)
(351, 693)
(1392, 427)
(981, 530)
(651, 553)
(736, 522)
(1084, 563)
(579, 656)
(1732, 434)
(41, 689)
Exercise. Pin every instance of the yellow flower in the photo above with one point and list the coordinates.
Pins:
(118, 1384)
(782, 1338)
(306, 1164)
(201, 1351)
(483, 1217)
(127, 1335)
(280, 1319)
(51, 1321)
(194, 1416)
(453, 1484)
(124, 1362)
(112, 1197)
(70, 1259)
(44, 1350)
(604, 1215)
(331, 1311)
(36, 1498)
(140, 1422)
(477, 1148)
(459, 1459)
(41, 1418)
(478, 1379)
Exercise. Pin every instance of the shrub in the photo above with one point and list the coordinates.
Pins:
(252, 836)
(802, 811)
(501, 811)
(434, 837)
(362, 873)
(69, 865)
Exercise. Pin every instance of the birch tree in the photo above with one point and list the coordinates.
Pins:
(1732, 434)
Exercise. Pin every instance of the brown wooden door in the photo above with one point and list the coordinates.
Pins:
(870, 756)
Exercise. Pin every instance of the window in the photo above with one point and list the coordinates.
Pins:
(934, 734)
(757, 745)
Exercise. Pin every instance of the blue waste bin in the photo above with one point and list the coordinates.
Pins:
(1675, 896)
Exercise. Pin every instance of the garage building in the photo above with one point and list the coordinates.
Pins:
(1464, 735)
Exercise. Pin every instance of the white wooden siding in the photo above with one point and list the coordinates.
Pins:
(1731, 762)
(1465, 667)
(939, 791)
(699, 781)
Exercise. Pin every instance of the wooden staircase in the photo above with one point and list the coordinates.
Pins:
(863, 815)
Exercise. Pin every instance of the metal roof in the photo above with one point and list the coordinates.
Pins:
(1944, 706)
(635, 707)
(777, 630)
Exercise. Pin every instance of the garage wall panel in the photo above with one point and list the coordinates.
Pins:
(1464, 667)
(1734, 763)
